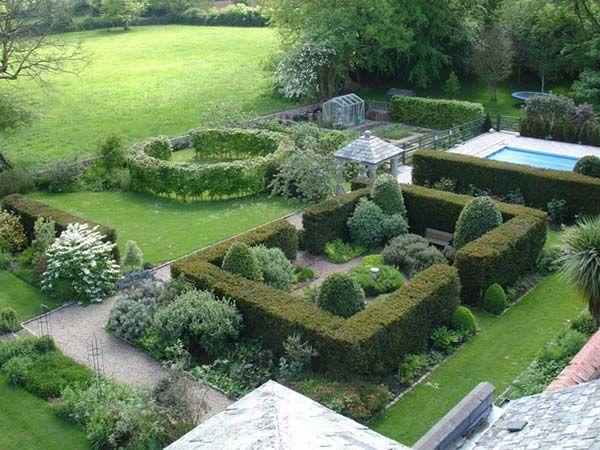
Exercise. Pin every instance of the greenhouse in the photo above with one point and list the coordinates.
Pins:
(344, 111)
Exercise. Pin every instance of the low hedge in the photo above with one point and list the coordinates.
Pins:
(434, 113)
(30, 210)
(224, 179)
(538, 186)
(500, 256)
(372, 341)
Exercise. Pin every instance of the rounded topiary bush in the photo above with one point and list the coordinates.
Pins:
(463, 320)
(494, 299)
(341, 295)
(365, 224)
(479, 216)
(588, 165)
(412, 253)
(276, 269)
(386, 194)
(393, 226)
(240, 260)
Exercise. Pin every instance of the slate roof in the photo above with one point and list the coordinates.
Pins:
(564, 419)
(368, 149)
(275, 417)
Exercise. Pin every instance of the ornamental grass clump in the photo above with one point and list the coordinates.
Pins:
(80, 266)
(478, 217)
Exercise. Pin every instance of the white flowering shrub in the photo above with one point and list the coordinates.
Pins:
(80, 266)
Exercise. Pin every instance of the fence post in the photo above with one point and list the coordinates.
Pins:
(499, 123)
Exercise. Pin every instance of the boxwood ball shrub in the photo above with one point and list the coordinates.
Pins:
(340, 295)
(478, 217)
(365, 224)
(463, 320)
(240, 260)
(386, 194)
(588, 165)
(253, 153)
(494, 299)
(277, 270)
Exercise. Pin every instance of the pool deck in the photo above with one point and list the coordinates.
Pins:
(488, 143)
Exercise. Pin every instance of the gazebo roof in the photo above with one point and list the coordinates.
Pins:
(368, 149)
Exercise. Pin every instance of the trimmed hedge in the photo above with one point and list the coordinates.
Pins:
(224, 179)
(434, 113)
(371, 341)
(500, 256)
(30, 210)
(538, 186)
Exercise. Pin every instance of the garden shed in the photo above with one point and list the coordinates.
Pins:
(344, 111)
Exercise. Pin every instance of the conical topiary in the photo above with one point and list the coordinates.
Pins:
(479, 216)
(386, 194)
(241, 261)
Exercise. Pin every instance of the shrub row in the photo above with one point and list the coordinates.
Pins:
(499, 256)
(224, 179)
(538, 186)
(233, 143)
(371, 341)
(434, 113)
(30, 210)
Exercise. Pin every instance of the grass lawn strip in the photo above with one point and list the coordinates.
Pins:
(22, 297)
(165, 228)
(503, 348)
(27, 423)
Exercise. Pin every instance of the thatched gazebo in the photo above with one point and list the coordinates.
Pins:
(369, 152)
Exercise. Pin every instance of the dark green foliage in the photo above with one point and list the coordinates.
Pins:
(240, 260)
(360, 183)
(61, 176)
(500, 178)
(478, 217)
(31, 210)
(412, 253)
(584, 323)
(386, 194)
(549, 260)
(24, 346)
(464, 321)
(276, 269)
(340, 295)
(445, 340)
(222, 179)
(16, 181)
(588, 165)
(487, 123)
(12, 114)
(587, 88)
(393, 226)
(558, 211)
(8, 320)
(341, 252)
(371, 341)
(445, 184)
(158, 147)
(434, 113)
(412, 367)
(494, 299)
(365, 224)
(302, 274)
(327, 221)
(111, 151)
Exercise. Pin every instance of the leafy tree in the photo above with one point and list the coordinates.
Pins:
(452, 86)
(586, 89)
(123, 11)
(492, 57)
(479, 216)
(27, 48)
(581, 262)
(111, 150)
(341, 295)
(133, 255)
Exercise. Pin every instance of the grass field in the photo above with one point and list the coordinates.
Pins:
(22, 297)
(148, 81)
(475, 91)
(27, 423)
(163, 228)
(503, 348)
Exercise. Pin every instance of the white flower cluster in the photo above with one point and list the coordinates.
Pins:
(80, 265)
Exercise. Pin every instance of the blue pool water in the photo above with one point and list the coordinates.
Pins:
(535, 159)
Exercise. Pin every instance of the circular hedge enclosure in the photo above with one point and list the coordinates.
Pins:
(252, 158)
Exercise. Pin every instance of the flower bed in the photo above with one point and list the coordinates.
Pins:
(258, 152)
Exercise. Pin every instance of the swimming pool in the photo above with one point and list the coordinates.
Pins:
(534, 159)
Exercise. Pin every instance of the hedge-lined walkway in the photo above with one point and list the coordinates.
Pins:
(504, 347)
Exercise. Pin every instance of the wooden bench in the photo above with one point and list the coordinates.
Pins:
(438, 237)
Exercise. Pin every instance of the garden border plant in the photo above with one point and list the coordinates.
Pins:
(362, 343)
(259, 153)
(500, 178)
(499, 256)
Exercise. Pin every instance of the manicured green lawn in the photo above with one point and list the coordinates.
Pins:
(504, 347)
(475, 91)
(148, 81)
(22, 297)
(27, 423)
(164, 228)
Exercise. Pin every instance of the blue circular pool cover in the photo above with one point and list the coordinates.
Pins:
(524, 95)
